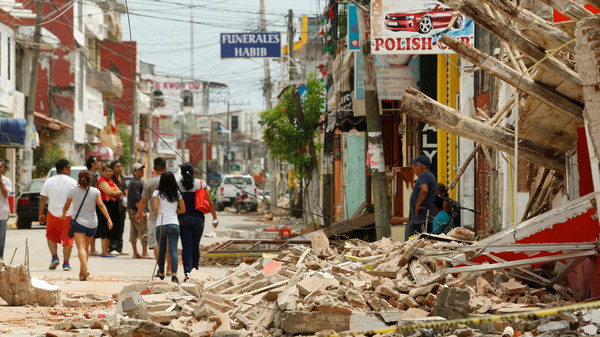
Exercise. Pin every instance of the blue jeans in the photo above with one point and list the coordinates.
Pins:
(191, 229)
(167, 234)
(2, 236)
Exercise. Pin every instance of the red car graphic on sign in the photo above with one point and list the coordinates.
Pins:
(423, 19)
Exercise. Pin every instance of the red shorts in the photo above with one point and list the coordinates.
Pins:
(57, 230)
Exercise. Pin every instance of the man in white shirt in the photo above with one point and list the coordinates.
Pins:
(55, 190)
(5, 189)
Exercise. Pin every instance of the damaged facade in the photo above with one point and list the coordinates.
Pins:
(464, 111)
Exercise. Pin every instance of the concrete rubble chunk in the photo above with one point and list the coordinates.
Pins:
(512, 287)
(311, 322)
(553, 326)
(452, 303)
(17, 287)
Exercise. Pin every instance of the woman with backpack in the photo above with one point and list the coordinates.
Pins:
(167, 204)
(192, 221)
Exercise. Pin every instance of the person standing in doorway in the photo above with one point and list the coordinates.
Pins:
(116, 244)
(55, 190)
(86, 199)
(93, 165)
(160, 167)
(138, 229)
(5, 190)
(422, 197)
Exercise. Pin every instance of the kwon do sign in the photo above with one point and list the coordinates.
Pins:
(250, 45)
(414, 27)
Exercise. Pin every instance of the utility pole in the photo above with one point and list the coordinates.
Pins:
(134, 115)
(267, 89)
(192, 38)
(290, 36)
(374, 137)
(37, 36)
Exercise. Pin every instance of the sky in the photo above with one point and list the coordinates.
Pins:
(163, 32)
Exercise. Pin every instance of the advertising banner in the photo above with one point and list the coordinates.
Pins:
(414, 27)
(353, 35)
(394, 73)
(250, 45)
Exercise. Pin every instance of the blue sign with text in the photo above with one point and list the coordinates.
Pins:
(250, 45)
(353, 34)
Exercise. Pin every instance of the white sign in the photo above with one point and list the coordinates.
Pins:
(414, 27)
(163, 148)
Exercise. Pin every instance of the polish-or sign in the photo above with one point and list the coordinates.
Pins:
(414, 27)
(250, 45)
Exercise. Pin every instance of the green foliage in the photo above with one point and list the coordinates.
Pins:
(123, 130)
(284, 136)
(45, 157)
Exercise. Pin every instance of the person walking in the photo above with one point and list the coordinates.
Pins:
(93, 165)
(55, 191)
(167, 203)
(137, 229)
(5, 190)
(116, 244)
(191, 223)
(159, 167)
(110, 195)
(422, 197)
(86, 198)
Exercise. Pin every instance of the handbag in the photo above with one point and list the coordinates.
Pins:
(72, 223)
(201, 200)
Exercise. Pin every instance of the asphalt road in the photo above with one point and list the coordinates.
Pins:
(33, 241)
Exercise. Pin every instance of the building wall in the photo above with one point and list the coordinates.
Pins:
(120, 59)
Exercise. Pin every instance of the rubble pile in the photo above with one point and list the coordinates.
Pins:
(359, 286)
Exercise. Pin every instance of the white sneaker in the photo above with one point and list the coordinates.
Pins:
(114, 252)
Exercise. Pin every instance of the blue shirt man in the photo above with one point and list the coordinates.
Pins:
(422, 197)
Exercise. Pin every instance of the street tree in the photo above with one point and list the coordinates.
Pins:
(290, 131)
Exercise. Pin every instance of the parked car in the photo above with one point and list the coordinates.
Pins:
(231, 185)
(423, 19)
(74, 172)
(28, 204)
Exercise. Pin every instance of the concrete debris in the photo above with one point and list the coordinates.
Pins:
(17, 287)
(355, 287)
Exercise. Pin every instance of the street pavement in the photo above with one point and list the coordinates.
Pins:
(124, 267)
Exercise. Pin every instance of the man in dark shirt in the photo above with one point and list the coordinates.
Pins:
(422, 198)
(116, 245)
(138, 229)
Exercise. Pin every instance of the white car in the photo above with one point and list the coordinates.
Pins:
(231, 185)
(74, 172)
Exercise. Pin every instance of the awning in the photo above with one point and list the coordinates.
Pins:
(100, 150)
(52, 123)
(12, 132)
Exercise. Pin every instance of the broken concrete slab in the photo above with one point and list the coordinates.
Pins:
(312, 322)
(17, 287)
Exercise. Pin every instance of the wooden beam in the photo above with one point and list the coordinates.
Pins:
(569, 8)
(536, 192)
(542, 32)
(511, 76)
(474, 10)
(418, 105)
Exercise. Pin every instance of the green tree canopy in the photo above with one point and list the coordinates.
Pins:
(285, 136)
